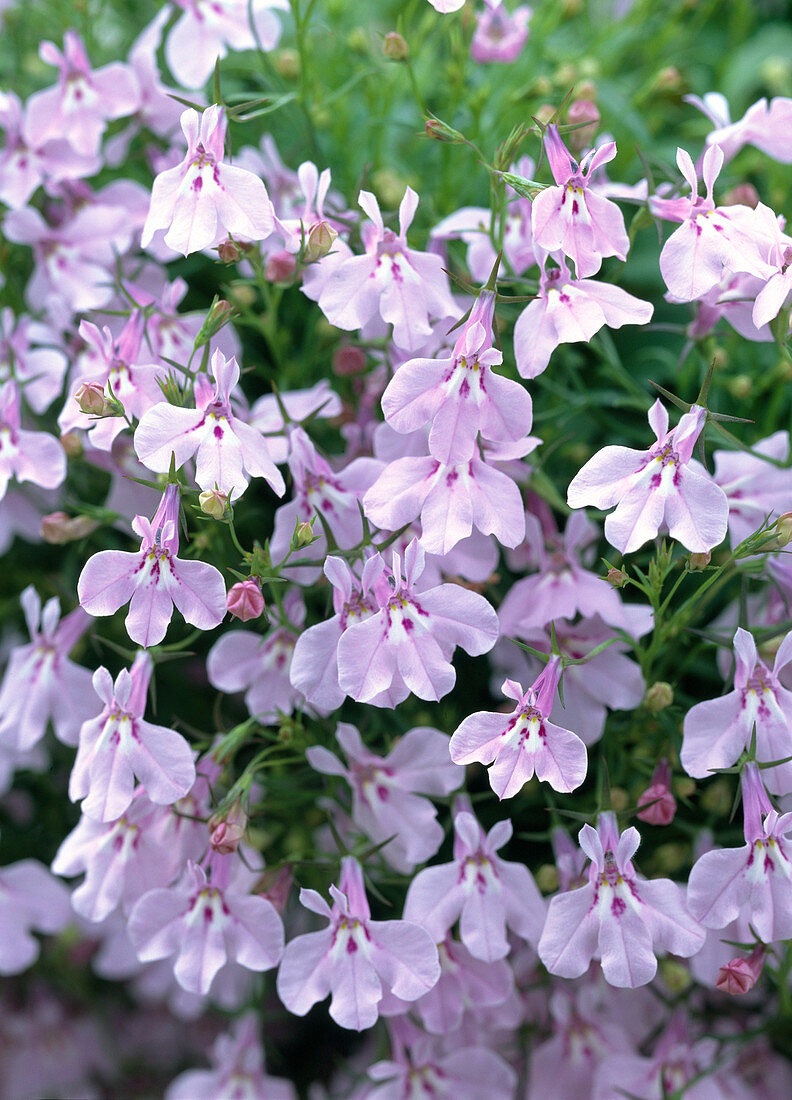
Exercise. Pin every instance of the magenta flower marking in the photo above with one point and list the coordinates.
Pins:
(525, 742)
(753, 882)
(716, 731)
(119, 744)
(484, 892)
(571, 216)
(355, 958)
(660, 488)
(153, 580)
(616, 917)
(202, 200)
(226, 449)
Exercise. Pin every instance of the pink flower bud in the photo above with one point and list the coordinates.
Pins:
(245, 600)
(227, 829)
(741, 975)
(90, 396)
(744, 194)
(213, 503)
(660, 803)
(228, 252)
(320, 240)
(59, 528)
(582, 110)
(280, 268)
(617, 577)
(349, 360)
(276, 887)
(395, 47)
(700, 561)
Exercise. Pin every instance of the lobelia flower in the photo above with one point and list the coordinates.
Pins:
(716, 731)
(355, 959)
(202, 199)
(499, 35)
(710, 239)
(764, 125)
(517, 745)
(616, 917)
(484, 892)
(41, 683)
(406, 646)
(659, 802)
(775, 294)
(153, 580)
(571, 216)
(757, 489)
(391, 281)
(34, 350)
(460, 395)
(206, 919)
(446, 6)
(569, 310)
(29, 898)
(224, 446)
(386, 790)
(755, 881)
(662, 487)
(207, 29)
(83, 102)
(237, 1069)
(119, 745)
(26, 456)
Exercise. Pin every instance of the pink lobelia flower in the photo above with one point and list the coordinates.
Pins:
(225, 447)
(767, 126)
(616, 916)
(202, 200)
(80, 106)
(31, 352)
(460, 395)
(119, 744)
(499, 35)
(710, 239)
(523, 742)
(407, 645)
(153, 580)
(660, 487)
(27, 456)
(446, 6)
(41, 683)
(208, 28)
(716, 731)
(237, 1069)
(571, 216)
(756, 487)
(392, 281)
(29, 898)
(485, 892)
(567, 311)
(386, 790)
(660, 804)
(355, 958)
(207, 918)
(754, 881)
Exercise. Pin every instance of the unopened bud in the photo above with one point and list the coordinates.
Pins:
(675, 975)
(276, 886)
(657, 798)
(395, 47)
(783, 530)
(304, 535)
(228, 251)
(321, 239)
(741, 975)
(620, 800)
(244, 600)
(72, 444)
(547, 878)
(227, 829)
(59, 528)
(91, 398)
(219, 314)
(213, 503)
(669, 79)
(743, 194)
(582, 110)
(280, 267)
(699, 561)
(287, 64)
(349, 359)
(440, 131)
(617, 577)
(659, 696)
(544, 113)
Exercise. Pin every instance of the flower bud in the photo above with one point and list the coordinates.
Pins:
(440, 131)
(743, 194)
(280, 267)
(395, 47)
(617, 577)
(228, 252)
(287, 64)
(544, 113)
(740, 975)
(90, 396)
(244, 600)
(349, 359)
(58, 528)
(660, 803)
(321, 239)
(699, 561)
(783, 530)
(219, 314)
(213, 503)
(72, 444)
(582, 110)
(304, 535)
(659, 696)
(276, 886)
(668, 79)
(226, 830)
